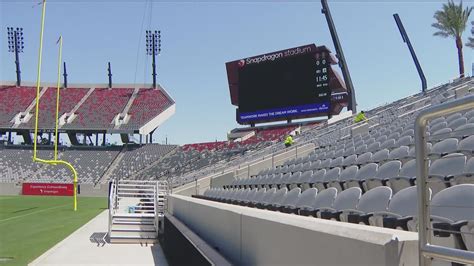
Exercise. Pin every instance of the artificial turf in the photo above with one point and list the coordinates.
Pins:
(30, 225)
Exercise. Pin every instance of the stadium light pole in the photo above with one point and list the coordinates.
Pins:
(65, 75)
(153, 47)
(16, 45)
(406, 40)
(340, 56)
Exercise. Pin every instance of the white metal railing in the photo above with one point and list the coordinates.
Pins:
(112, 203)
(426, 249)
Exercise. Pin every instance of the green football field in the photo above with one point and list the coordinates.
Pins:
(30, 225)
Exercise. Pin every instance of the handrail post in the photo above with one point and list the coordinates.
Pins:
(426, 250)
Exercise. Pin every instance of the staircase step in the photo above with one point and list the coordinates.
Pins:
(131, 229)
(129, 222)
(133, 215)
(136, 189)
(139, 235)
(132, 240)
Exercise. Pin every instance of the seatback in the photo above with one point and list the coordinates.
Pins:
(260, 195)
(307, 197)
(349, 160)
(454, 202)
(375, 200)
(251, 195)
(405, 202)
(364, 158)
(347, 199)
(367, 171)
(349, 173)
(278, 196)
(408, 169)
(332, 174)
(325, 198)
(445, 146)
(398, 153)
(305, 177)
(269, 194)
(380, 156)
(389, 169)
(317, 176)
(451, 164)
(467, 144)
(336, 162)
(291, 197)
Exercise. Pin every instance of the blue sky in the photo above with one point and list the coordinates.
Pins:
(199, 37)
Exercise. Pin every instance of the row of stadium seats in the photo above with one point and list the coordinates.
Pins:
(14, 100)
(452, 209)
(449, 170)
(96, 112)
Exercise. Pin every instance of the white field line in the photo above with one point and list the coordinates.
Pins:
(20, 216)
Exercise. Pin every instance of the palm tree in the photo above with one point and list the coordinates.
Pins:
(451, 22)
(471, 40)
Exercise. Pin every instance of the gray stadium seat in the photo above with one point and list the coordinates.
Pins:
(457, 122)
(467, 176)
(276, 199)
(385, 172)
(305, 200)
(442, 148)
(347, 174)
(266, 198)
(374, 200)
(443, 169)
(294, 179)
(349, 160)
(303, 181)
(466, 146)
(290, 199)
(364, 158)
(365, 172)
(258, 197)
(324, 199)
(463, 131)
(336, 162)
(400, 153)
(345, 200)
(448, 208)
(380, 156)
(406, 178)
(331, 175)
(402, 208)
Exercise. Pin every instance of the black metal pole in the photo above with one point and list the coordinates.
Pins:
(110, 76)
(17, 61)
(153, 60)
(340, 55)
(405, 38)
(65, 75)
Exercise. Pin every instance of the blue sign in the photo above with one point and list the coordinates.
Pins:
(271, 114)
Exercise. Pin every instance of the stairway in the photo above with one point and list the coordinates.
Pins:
(135, 210)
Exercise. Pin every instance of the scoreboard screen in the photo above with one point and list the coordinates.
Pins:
(273, 86)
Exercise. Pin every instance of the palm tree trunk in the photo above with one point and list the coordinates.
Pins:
(460, 56)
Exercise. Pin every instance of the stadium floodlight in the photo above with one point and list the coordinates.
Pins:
(16, 45)
(153, 47)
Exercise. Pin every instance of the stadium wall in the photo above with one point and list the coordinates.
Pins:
(87, 190)
(247, 236)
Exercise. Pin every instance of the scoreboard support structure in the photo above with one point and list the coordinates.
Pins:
(340, 55)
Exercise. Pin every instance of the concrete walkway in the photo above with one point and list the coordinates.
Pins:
(77, 249)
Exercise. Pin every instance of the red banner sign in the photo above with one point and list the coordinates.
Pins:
(49, 189)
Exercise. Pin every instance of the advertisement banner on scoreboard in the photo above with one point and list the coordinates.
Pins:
(48, 189)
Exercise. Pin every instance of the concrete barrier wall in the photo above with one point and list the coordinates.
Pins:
(87, 190)
(248, 236)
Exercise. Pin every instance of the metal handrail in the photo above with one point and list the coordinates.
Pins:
(426, 250)
(111, 204)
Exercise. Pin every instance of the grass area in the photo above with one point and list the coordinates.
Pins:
(30, 225)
